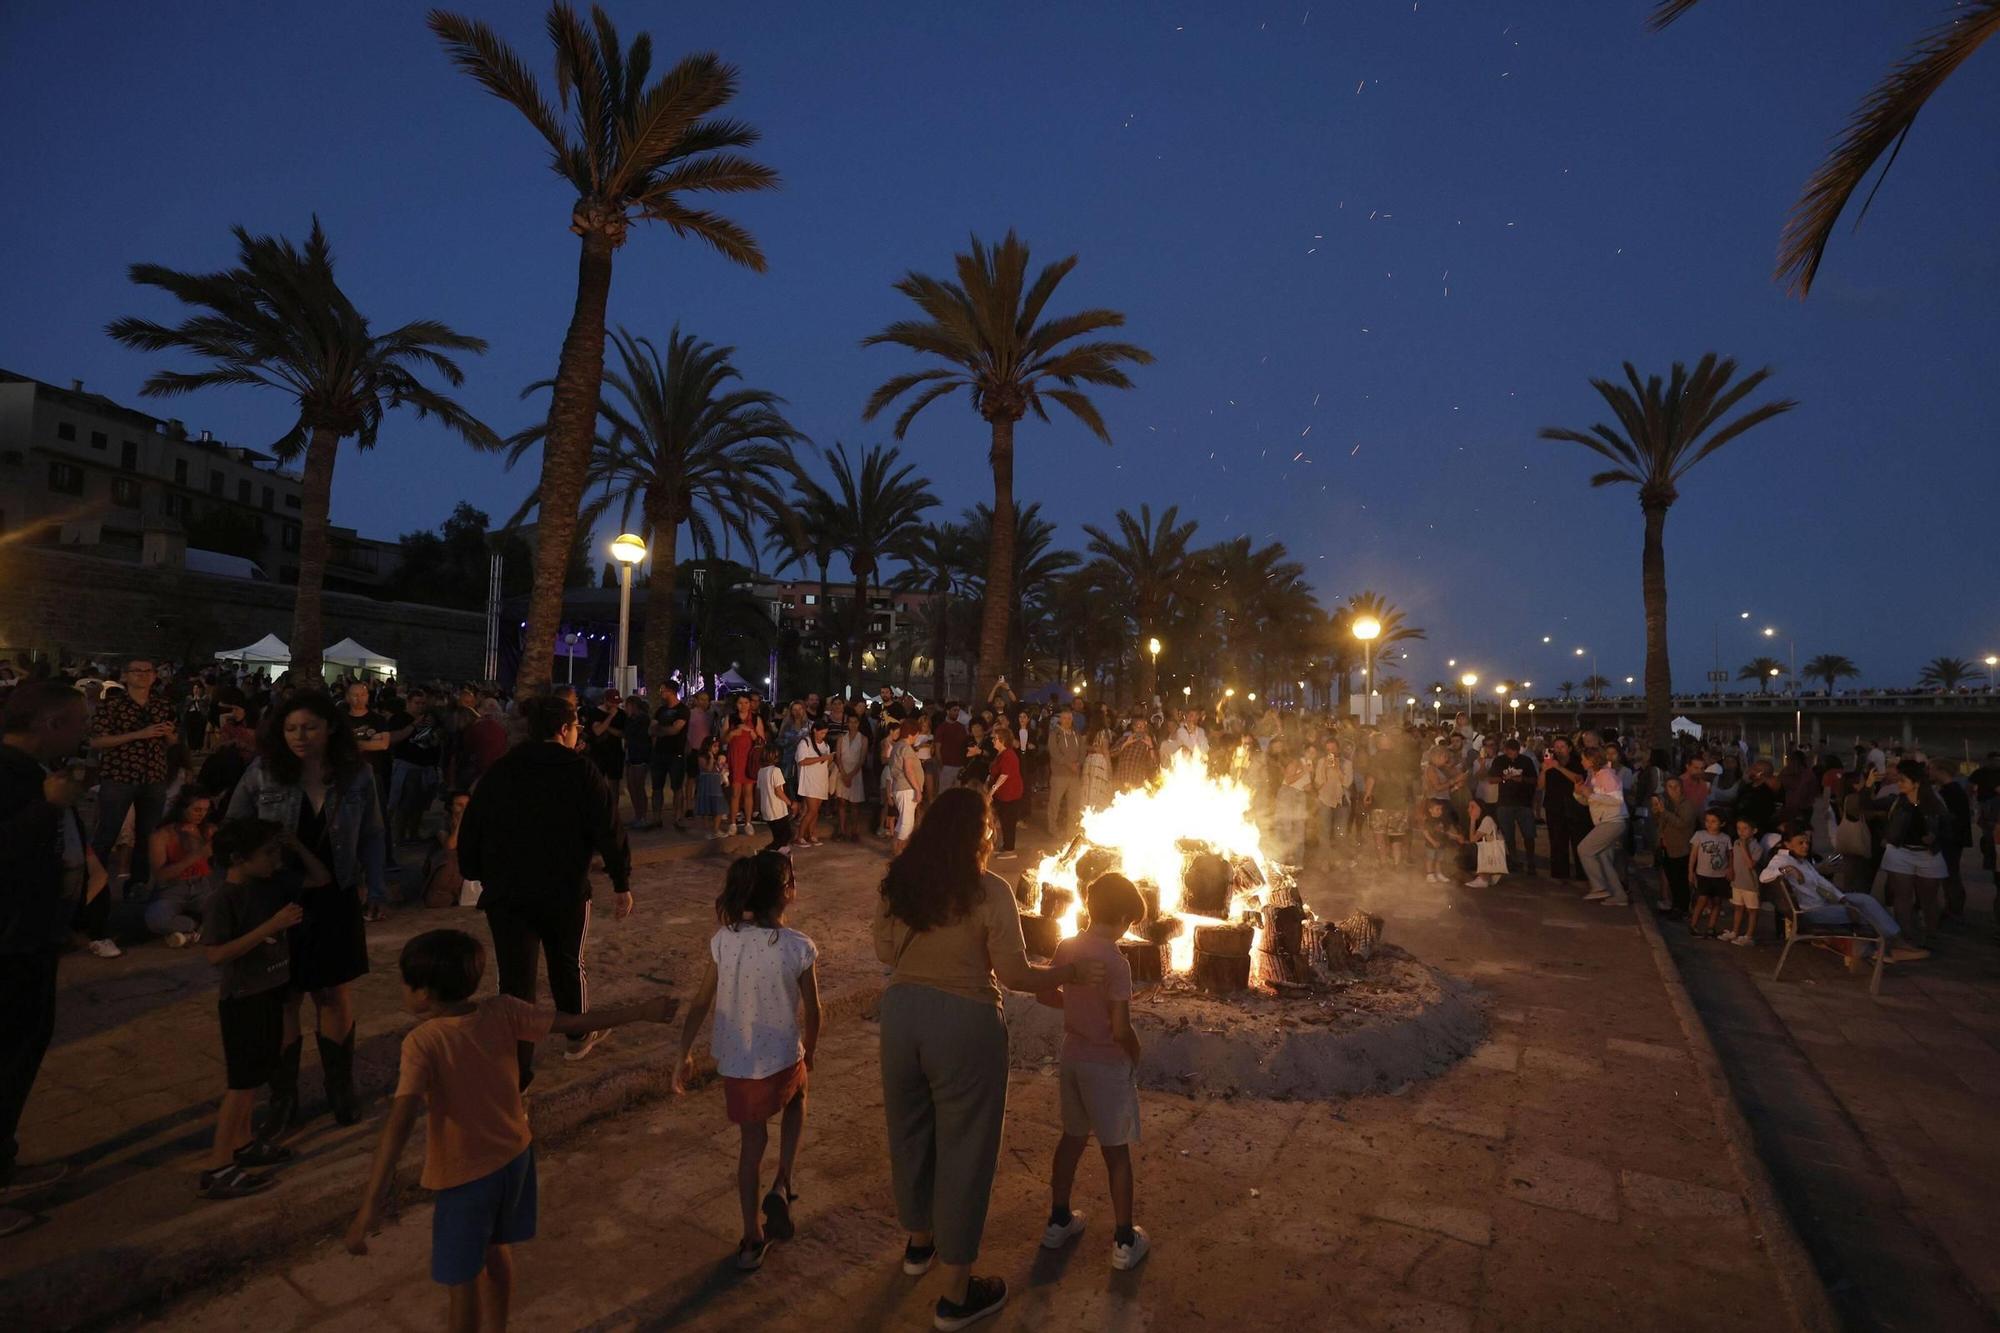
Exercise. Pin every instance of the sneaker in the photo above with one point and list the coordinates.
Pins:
(232, 1182)
(584, 1045)
(1724, 935)
(983, 1296)
(1056, 1234)
(917, 1258)
(15, 1219)
(1616, 902)
(1595, 895)
(28, 1179)
(778, 1215)
(1743, 942)
(177, 939)
(1003, 856)
(1478, 882)
(750, 1255)
(1131, 1256)
(262, 1152)
(105, 949)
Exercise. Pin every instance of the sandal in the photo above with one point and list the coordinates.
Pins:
(750, 1254)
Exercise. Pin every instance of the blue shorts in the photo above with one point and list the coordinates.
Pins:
(496, 1209)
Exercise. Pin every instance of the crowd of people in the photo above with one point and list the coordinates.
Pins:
(259, 821)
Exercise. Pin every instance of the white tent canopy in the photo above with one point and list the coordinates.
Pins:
(729, 681)
(348, 653)
(267, 651)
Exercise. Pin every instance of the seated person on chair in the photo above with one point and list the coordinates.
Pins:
(1821, 904)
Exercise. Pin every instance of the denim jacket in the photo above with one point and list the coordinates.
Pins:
(353, 818)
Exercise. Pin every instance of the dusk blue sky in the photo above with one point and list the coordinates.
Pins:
(1374, 244)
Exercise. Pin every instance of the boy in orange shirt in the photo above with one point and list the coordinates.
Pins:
(479, 1156)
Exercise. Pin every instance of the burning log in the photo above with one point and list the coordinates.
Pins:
(1160, 930)
(1055, 902)
(1041, 934)
(1283, 945)
(1028, 890)
(1222, 958)
(1144, 959)
(1350, 944)
(1097, 861)
(1208, 881)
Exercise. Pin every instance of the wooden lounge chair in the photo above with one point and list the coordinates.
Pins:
(1797, 928)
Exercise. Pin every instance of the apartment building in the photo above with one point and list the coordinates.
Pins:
(80, 471)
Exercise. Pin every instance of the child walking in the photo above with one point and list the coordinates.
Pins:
(245, 933)
(1100, 1064)
(1437, 830)
(774, 807)
(761, 975)
(1708, 859)
(462, 1062)
(709, 801)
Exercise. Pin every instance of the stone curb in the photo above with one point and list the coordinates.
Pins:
(212, 1242)
(1798, 1279)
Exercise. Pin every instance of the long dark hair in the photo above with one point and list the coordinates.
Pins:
(936, 880)
(754, 889)
(343, 756)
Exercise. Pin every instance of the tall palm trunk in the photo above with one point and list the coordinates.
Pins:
(940, 639)
(1659, 672)
(995, 613)
(566, 456)
(1147, 666)
(657, 647)
(858, 633)
(825, 630)
(315, 502)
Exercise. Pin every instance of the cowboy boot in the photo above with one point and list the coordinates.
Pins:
(336, 1060)
(281, 1112)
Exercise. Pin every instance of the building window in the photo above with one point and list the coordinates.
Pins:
(268, 497)
(65, 430)
(128, 455)
(98, 439)
(12, 458)
(66, 478)
(214, 482)
(291, 536)
(180, 472)
(125, 492)
(812, 599)
(291, 502)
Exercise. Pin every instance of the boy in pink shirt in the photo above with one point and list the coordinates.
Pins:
(1100, 1063)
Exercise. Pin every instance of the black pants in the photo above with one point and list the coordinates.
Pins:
(781, 833)
(1009, 814)
(557, 931)
(1565, 831)
(93, 916)
(27, 1022)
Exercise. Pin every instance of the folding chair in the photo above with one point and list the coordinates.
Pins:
(1797, 928)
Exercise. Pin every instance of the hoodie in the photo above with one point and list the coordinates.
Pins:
(534, 822)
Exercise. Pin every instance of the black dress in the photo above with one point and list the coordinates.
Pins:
(330, 947)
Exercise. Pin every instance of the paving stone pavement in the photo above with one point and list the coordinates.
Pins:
(1567, 1176)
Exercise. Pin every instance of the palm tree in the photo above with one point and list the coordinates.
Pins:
(934, 556)
(631, 151)
(1879, 125)
(1368, 604)
(1763, 670)
(1037, 563)
(1658, 439)
(279, 320)
(1568, 687)
(1831, 668)
(880, 505)
(1146, 560)
(988, 326)
(1595, 685)
(1943, 674)
(681, 446)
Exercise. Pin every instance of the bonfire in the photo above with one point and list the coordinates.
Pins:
(1221, 912)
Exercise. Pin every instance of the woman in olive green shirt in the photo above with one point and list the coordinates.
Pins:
(949, 931)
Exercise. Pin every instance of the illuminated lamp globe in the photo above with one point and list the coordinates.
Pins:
(628, 548)
(1368, 627)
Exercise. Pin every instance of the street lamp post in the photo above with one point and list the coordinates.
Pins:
(1468, 680)
(1153, 647)
(1792, 657)
(1514, 704)
(1992, 660)
(628, 550)
(1368, 629)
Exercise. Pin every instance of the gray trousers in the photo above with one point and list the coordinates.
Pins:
(1599, 854)
(178, 906)
(944, 1094)
(1063, 787)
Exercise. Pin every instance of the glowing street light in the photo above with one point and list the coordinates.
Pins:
(628, 549)
(1368, 629)
(1469, 679)
(1253, 696)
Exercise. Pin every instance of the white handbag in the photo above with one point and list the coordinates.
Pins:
(1492, 856)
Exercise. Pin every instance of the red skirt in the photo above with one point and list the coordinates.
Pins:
(752, 1101)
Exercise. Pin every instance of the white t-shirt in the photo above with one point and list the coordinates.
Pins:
(813, 777)
(771, 803)
(757, 973)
